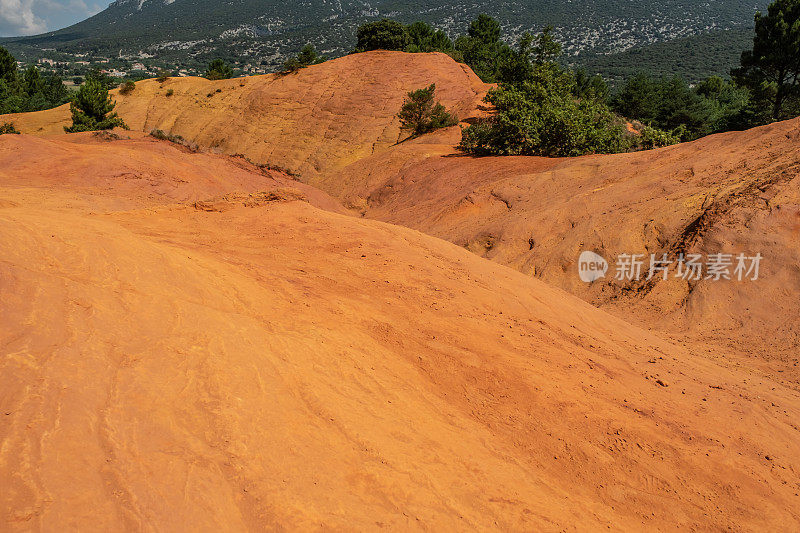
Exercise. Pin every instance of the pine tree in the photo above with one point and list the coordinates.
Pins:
(772, 68)
(421, 115)
(307, 56)
(8, 66)
(383, 34)
(93, 110)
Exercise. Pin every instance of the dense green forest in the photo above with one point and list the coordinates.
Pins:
(547, 107)
(27, 90)
(543, 108)
(189, 33)
(692, 58)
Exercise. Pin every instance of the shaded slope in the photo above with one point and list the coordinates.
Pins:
(134, 170)
(275, 365)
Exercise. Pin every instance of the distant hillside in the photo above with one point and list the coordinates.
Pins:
(693, 58)
(252, 32)
(337, 112)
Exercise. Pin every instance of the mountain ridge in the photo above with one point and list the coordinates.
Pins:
(258, 33)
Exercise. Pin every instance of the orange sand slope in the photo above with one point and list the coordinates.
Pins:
(733, 193)
(251, 361)
(335, 123)
(129, 170)
(323, 117)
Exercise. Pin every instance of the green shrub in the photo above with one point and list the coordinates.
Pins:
(92, 109)
(419, 37)
(163, 76)
(650, 138)
(714, 105)
(479, 138)
(307, 56)
(8, 128)
(127, 87)
(383, 34)
(424, 38)
(457, 56)
(218, 70)
(593, 87)
(541, 116)
(420, 114)
(170, 92)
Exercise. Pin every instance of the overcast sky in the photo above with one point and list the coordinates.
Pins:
(29, 17)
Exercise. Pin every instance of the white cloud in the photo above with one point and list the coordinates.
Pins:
(27, 17)
(17, 18)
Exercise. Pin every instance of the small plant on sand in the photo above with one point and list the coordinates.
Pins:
(278, 168)
(175, 139)
(127, 87)
(92, 109)
(163, 76)
(7, 128)
(307, 56)
(105, 135)
(164, 136)
(420, 114)
(170, 92)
